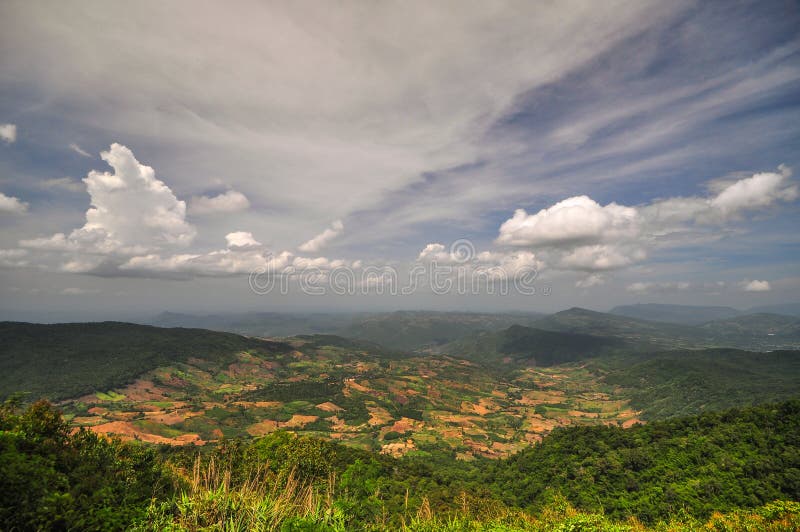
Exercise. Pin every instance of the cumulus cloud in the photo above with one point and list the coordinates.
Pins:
(435, 252)
(241, 239)
(234, 260)
(135, 225)
(756, 192)
(12, 205)
(8, 133)
(80, 151)
(756, 286)
(132, 212)
(462, 255)
(323, 239)
(576, 220)
(731, 200)
(227, 202)
(580, 234)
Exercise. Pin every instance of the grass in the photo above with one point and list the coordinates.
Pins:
(265, 502)
(109, 396)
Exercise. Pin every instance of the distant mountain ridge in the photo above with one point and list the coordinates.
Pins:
(677, 326)
(697, 315)
(529, 346)
(682, 314)
(399, 330)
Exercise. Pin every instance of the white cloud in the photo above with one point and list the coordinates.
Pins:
(80, 151)
(56, 242)
(731, 200)
(241, 239)
(368, 109)
(74, 291)
(435, 252)
(576, 220)
(227, 202)
(84, 264)
(756, 192)
(13, 258)
(8, 133)
(131, 212)
(590, 281)
(580, 234)
(600, 257)
(756, 286)
(461, 254)
(12, 205)
(668, 287)
(323, 239)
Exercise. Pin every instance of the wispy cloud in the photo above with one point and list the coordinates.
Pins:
(63, 183)
(323, 239)
(80, 151)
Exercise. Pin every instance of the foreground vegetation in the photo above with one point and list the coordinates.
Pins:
(736, 470)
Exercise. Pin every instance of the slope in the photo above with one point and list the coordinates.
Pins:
(530, 346)
(70, 359)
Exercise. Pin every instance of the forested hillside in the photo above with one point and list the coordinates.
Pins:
(690, 382)
(713, 462)
(675, 475)
(71, 359)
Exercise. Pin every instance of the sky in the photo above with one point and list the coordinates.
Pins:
(212, 157)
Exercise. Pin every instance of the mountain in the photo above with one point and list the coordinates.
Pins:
(754, 332)
(787, 309)
(583, 321)
(401, 330)
(763, 331)
(690, 382)
(406, 330)
(259, 323)
(683, 314)
(530, 346)
(70, 359)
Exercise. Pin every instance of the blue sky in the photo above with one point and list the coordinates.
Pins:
(357, 135)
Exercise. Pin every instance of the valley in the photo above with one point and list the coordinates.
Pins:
(392, 405)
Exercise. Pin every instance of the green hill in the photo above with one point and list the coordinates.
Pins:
(757, 332)
(71, 359)
(529, 346)
(416, 330)
(583, 321)
(764, 330)
(672, 475)
(714, 462)
(691, 382)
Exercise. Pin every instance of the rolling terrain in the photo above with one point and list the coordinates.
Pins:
(664, 326)
(489, 395)
(683, 314)
(65, 360)
(513, 429)
(373, 401)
